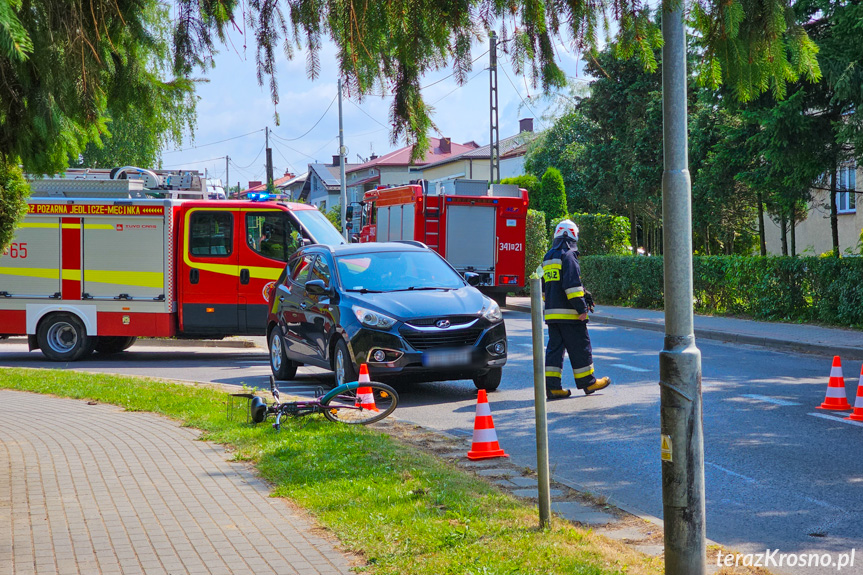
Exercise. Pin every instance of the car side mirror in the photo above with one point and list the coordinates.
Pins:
(355, 238)
(471, 278)
(305, 242)
(316, 287)
(349, 212)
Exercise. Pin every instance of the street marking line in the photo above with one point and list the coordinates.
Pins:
(629, 367)
(838, 419)
(768, 399)
(729, 472)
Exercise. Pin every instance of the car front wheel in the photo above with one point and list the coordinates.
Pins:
(490, 381)
(282, 367)
(343, 364)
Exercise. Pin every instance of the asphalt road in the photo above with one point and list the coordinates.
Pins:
(777, 476)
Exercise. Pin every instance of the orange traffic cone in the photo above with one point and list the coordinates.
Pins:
(365, 396)
(836, 399)
(858, 403)
(484, 445)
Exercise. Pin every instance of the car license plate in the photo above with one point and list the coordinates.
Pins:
(446, 357)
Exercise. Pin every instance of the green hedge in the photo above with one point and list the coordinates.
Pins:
(823, 290)
(599, 234)
(536, 243)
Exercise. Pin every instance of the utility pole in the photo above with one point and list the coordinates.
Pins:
(228, 177)
(342, 153)
(682, 439)
(269, 160)
(494, 132)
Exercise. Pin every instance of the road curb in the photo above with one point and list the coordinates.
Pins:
(229, 343)
(851, 353)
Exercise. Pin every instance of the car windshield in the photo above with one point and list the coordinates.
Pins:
(320, 227)
(396, 271)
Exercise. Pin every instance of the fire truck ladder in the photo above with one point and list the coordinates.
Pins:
(431, 223)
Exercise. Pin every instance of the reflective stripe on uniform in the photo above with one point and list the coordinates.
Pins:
(561, 314)
(574, 292)
(551, 371)
(552, 262)
(582, 371)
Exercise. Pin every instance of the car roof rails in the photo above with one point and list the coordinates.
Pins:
(411, 243)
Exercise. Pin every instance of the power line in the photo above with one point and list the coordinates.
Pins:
(453, 74)
(195, 162)
(213, 143)
(250, 164)
(454, 90)
(295, 150)
(357, 106)
(310, 129)
(526, 105)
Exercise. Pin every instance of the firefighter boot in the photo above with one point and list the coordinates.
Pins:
(557, 393)
(600, 383)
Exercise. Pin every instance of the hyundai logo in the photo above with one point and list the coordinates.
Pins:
(443, 323)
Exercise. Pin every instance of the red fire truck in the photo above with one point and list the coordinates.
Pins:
(478, 228)
(88, 271)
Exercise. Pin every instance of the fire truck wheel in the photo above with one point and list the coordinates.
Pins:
(343, 364)
(282, 367)
(63, 337)
(113, 344)
(490, 381)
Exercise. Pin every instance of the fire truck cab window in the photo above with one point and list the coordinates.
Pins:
(272, 235)
(211, 234)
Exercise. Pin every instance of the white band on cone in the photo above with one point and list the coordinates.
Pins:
(484, 436)
(835, 371)
(482, 409)
(836, 392)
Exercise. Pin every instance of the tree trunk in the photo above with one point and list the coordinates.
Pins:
(834, 215)
(707, 240)
(633, 230)
(762, 239)
(783, 229)
(793, 232)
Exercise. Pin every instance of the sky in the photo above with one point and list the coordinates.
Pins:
(233, 111)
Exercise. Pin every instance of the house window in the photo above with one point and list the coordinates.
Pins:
(323, 206)
(846, 199)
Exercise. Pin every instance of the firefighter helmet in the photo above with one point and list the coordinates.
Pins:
(566, 228)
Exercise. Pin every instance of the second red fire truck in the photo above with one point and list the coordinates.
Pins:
(478, 228)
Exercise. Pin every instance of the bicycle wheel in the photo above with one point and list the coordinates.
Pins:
(357, 406)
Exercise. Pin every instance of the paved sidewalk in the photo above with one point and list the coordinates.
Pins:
(847, 343)
(95, 489)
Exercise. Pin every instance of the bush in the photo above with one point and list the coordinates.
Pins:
(531, 184)
(811, 289)
(599, 234)
(552, 198)
(13, 200)
(535, 244)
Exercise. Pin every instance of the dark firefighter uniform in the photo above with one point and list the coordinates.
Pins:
(564, 302)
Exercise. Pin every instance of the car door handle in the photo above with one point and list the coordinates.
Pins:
(194, 276)
(244, 276)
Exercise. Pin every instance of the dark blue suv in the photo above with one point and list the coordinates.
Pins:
(398, 307)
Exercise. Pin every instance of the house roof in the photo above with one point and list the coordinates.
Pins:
(402, 156)
(277, 183)
(509, 147)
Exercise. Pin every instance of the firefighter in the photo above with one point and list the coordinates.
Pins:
(566, 307)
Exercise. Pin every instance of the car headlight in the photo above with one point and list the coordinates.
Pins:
(371, 318)
(491, 311)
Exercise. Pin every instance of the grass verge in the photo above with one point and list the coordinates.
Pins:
(403, 510)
